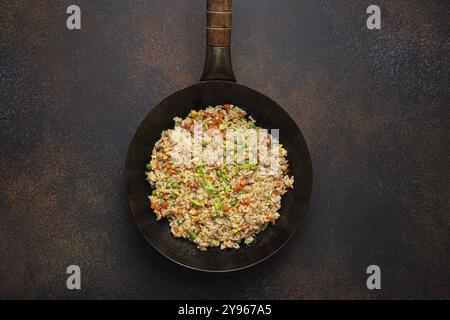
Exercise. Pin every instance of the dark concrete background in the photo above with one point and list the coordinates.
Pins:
(372, 105)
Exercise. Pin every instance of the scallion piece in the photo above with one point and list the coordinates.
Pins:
(234, 201)
(218, 204)
(196, 203)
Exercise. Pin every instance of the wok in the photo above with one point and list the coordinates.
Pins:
(218, 86)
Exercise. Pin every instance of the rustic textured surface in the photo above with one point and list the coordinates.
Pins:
(372, 105)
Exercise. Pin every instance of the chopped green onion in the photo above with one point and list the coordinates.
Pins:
(196, 203)
(174, 185)
(221, 175)
(234, 201)
(218, 204)
(226, 187)
(211, 190)
(249, 166)
(148, 167)
(213, 215)
(204, 144)
(174, 196)
(193, 236)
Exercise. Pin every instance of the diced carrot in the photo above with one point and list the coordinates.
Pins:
(176, 229)
(269, 142)
(169, 168)
(226, 209)
(246, 201)
(241, 185)
(217, 122)
(206, 116)
(186, 126)
(196, 213)
(154, 205)
(193, 185)
(165, 205)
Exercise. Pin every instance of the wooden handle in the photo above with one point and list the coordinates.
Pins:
(218, 23)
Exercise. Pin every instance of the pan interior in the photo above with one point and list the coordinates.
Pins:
(267, 114)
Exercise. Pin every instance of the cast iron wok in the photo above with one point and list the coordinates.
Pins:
(218, 86)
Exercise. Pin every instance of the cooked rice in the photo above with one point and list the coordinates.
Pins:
(215, 205)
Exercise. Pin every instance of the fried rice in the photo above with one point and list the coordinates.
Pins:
(223, 203)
